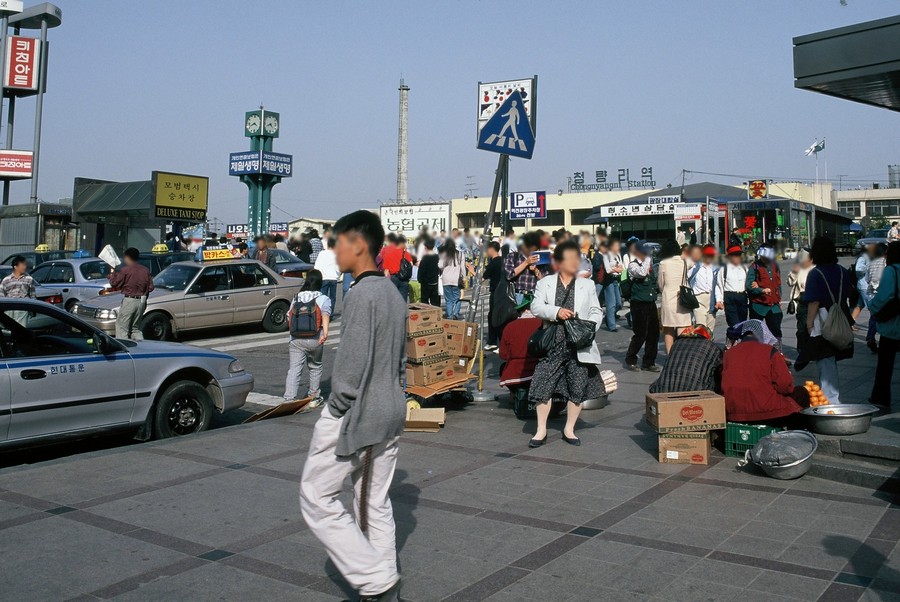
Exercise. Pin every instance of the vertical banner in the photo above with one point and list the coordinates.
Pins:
(21, 74)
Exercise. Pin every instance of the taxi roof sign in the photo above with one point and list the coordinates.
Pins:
(42, 248)
(216, 254)
(160, 248)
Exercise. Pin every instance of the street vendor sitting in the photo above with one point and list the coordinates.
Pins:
(756, 382)
(694, 363)
(518, 364)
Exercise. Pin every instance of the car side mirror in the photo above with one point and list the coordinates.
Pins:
(103, 345)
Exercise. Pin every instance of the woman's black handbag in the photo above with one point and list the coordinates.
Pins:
(686, 297)
(504, 304)
(580, 333)
(891, 309)
(542, 341)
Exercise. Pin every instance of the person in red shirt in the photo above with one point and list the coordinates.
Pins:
(135, 283)
(392, 256)
(518, 365)
(757, 384)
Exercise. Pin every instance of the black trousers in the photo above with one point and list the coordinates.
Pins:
(493, 337)
(735, 308)
(431, 294)
(887, 351)
(772, 320)
(645, 325)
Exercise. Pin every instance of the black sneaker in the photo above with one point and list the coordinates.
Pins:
(633, 367)
(653, 368)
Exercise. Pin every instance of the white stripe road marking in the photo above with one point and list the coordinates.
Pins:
(282, 340)
(334, 328)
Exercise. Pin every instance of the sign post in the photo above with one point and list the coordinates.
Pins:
(506, 123)
(260, 168)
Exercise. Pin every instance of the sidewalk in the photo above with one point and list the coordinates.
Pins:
(480, 516)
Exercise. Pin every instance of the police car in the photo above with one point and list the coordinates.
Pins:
(61, 377)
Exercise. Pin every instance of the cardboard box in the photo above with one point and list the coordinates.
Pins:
(690, 411)
(431, 359)
(423, 319)
(462, 337)
(422, 375)
(424, 420)
(685, 448)
(422, 347)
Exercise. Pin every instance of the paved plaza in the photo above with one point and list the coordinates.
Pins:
(479, 515)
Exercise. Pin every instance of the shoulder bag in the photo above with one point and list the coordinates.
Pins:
(686, 297)
(580, 333)
(543, 339)
(891, 309)
(836, 329)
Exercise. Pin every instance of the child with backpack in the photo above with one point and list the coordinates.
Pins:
(309, 317)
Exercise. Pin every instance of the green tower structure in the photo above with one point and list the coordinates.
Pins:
(260, 168)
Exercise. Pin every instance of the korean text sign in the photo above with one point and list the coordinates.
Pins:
(409, 220)
(22, 67)
(180, 197)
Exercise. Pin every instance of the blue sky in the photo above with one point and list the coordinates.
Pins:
(700, 85)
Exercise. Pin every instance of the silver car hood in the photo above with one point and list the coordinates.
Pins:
(138, 348)
(114, 300)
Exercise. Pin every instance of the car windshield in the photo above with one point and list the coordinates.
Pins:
(175, 277)
(282, 256)
(94, 270)
(881, 233)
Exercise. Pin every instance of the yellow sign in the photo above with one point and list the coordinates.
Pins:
(216, 254)
(180, 197)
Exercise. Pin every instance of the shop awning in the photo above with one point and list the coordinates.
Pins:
(692, 193)
(860, 62)
(113, 199)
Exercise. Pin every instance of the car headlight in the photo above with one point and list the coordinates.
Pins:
(235, 367)
(106, 314)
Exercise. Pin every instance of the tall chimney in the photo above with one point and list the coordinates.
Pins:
(403, 145)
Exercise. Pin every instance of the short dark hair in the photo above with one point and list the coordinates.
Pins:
(892, 255)
(429, 243)
(331, 242)
(531, 239)
(510, 232)
(559, 253)
(132, 253)
(822, 251)
(313, 281)
(669, 248)
(17, 260)
(363, 223)
(494, 245)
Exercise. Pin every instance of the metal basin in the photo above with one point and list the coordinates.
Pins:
(797, 468)
(840, 419)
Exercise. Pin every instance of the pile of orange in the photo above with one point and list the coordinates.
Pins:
(816, 397)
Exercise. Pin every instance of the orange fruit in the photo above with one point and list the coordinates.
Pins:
(809, 383)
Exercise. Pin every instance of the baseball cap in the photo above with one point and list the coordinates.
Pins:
(735, 250)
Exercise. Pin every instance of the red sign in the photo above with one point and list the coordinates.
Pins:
(692, 413)
(15, 164)
(22, 63)
(758, 189)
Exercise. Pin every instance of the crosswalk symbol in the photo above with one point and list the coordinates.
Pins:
(508, 131)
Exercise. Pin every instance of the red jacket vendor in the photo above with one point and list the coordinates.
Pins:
(518, 364)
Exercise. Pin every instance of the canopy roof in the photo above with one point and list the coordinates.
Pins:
(96, 198)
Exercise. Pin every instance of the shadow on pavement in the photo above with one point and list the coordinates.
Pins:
(865, 562)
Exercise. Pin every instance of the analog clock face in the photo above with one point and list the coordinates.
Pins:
(271, 124)
(253, 124)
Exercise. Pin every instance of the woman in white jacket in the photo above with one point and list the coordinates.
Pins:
(565, 372)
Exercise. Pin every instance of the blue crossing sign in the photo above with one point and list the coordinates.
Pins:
(508, 131)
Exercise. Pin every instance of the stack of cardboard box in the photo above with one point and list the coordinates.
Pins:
(462, 339)
(684, 422)
(426, 346)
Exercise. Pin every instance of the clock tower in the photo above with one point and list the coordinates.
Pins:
(260, 168)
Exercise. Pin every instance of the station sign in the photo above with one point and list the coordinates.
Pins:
(528, 205)
(180, 197)
(21, 73)
(16, 164)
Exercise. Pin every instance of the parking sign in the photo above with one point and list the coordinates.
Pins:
(528, 205)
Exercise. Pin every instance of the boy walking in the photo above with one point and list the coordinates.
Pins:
(357, 432)
(733, 281)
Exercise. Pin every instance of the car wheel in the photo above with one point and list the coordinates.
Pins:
(70, 304)
(156, 327)
(275, 319)
(184, 408)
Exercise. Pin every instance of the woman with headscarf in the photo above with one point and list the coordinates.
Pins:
(671, 274)
(756, 382)
(764, 289)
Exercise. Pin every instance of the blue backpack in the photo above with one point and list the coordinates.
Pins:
(306, 319)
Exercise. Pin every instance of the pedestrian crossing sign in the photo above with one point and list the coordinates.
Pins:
(508, 131)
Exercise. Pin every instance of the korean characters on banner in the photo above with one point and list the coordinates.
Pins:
(622, 179)
(180, 197)
(410, 220)
(645, 209)
(21, 73)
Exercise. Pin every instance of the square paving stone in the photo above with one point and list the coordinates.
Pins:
(725, 573)
(697, 590)
(213, 511)
(792, 586)
(71, 558)
(753, 546)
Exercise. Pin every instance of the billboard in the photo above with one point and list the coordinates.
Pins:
(243, 230)
(15, 164)
(276, 164)
(22, 70)
(243, 163)
(491, 95)
(180, 197)
(651, 209)
(260, 162)
(410, 219)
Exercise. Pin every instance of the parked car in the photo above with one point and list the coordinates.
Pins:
(288, 264)
(33, 258)
(65, 378)
(872, 237)
(75, 279)
(191, 295)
